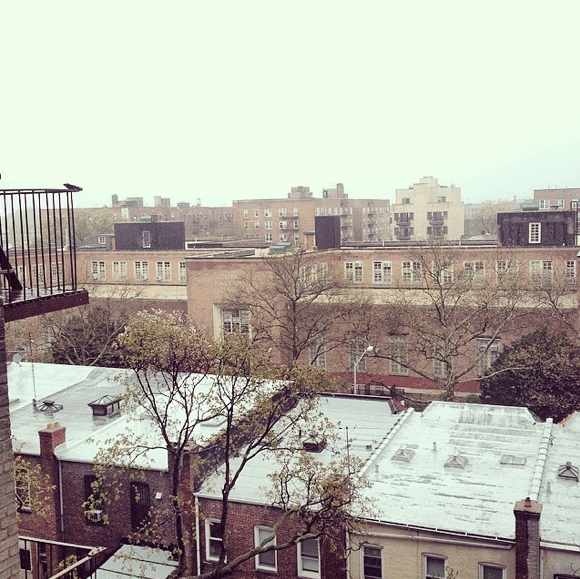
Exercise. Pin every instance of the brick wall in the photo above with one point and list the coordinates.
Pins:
(9, 555)
(242, 519)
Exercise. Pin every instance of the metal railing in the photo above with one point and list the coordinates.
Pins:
(37, 249)
(45, 559)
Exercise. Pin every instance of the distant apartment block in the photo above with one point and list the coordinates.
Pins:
(199, 221)
(427, 210)
(555, 199)
(290, 219)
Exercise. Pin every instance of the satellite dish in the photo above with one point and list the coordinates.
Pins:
(17, 358)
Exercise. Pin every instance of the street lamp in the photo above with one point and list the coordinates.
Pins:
(367, 350)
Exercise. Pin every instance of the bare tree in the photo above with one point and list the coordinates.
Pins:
(297, 304)
(444, 321)
(172, 364)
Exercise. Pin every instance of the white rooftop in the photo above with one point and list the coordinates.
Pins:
(458, 467)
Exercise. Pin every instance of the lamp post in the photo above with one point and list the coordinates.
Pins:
(367, 350)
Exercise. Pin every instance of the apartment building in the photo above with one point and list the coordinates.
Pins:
(290, 219)
(427, 210)
(557, 198)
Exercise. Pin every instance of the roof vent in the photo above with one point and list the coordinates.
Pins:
(456, 461)
(314, 444)
(403, 454)
(106, 406)
(48, 406)
(568, 471)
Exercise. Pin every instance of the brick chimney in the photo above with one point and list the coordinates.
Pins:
(527, 514)
(50, 437)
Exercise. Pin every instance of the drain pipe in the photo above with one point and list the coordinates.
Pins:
(197, 539)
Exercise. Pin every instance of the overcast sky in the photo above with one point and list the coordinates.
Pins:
(236, 99)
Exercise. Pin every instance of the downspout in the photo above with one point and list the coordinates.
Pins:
(197, 539)
(61, 499)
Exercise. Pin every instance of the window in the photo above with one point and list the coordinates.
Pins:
(295, 223)
(317, 351)
(56, 274)
(146, 238)
(382, 272)
(434, 567)
(283, 237)
(267, 213)
(119, 270)
(475, 270)
(544, 204)
(295, 212)
(163, 271)
(440, 368)
(265, 560)
(282, 212)
(442, 199)
(560, 203)
(282, 224)
(541, 271)
(372, 562)
(97, 270)
(506, 269)
(268, 224)
(411, 272)
(256, 213)
(443, 271)
(235, 319)
(268, 238)
(256, 225)
(398, 350)
(570, 271)
(406, 200)
(22, 478)
(214, 540)
(353, 271)
(140, 505)
(488, 571)
(182, 271)
(488, 352)
(141, 270)
(309, 559)
(246, 213)
(534, 232)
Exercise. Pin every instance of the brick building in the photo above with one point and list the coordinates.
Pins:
(393, 275)
(291, 219)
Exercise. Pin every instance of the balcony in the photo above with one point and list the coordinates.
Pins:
(38, 271)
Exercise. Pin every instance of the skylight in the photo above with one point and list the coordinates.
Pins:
(403, 454)
(511, 459)
(568, 471)
(456, 461)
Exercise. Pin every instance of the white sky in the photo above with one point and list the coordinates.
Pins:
(235, 99)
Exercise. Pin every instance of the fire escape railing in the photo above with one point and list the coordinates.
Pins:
(37, 243)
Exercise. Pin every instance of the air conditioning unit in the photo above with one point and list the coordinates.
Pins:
(95, 515)
(159, 278)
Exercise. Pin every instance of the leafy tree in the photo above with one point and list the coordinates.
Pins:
(33, 490)
(172, 362)
(297, 305)
(446, 314)
(541, 370)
